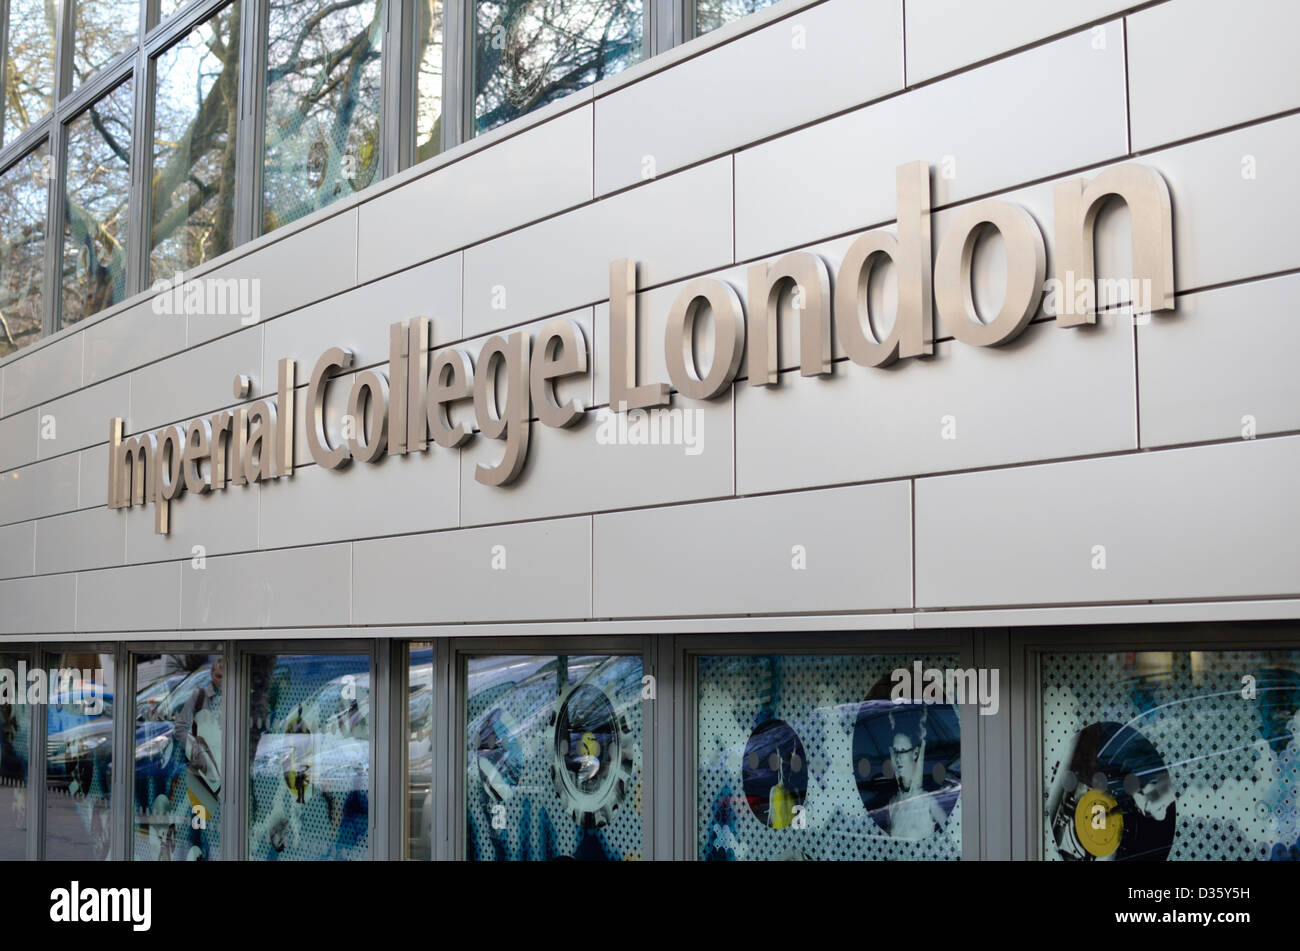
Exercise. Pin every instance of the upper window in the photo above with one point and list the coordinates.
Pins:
(167, 7)
(102, 30)
(323, 109)
(96, 191)
(531, 52)
(29, 70)
(195, 119)
(711, 14)
(428, 59)
(24, 195)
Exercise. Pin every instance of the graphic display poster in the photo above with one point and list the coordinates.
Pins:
(553, 755)
(1170, 755)
(810, 757)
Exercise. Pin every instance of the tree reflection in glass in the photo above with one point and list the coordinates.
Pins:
(428, 56)
(531, 52)
(102, 31)
(323, 108)
(29, 67)
(711, 14)
(196, 111)
(24, 191)
(96, 200)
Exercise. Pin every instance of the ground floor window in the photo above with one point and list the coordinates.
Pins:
(1117, 743)
(309, 748)
(553, 754)
(179, 739)
(1170, 755)
(817, 756)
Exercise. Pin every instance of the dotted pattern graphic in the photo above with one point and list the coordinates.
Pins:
(518, 698)
(819, 696)
(1234, 762)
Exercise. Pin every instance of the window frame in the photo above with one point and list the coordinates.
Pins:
(656, 757)
(1029, 644)
(690, 648)
(131, 658)
(234, 833)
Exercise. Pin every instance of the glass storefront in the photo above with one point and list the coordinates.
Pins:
(504, 751)
(553, 757)
(809, 756)
(1170, 755)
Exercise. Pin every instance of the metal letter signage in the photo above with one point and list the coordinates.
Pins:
(409, 409)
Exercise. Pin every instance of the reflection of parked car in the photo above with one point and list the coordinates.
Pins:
(71, 707)
(147, 700)
(73, 737)
(323, 743)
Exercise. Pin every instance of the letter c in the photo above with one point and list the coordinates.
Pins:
(331, 362)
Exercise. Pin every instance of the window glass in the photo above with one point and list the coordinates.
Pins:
(167, 7)
(322, 104)
(15, 748)
(553, 755)
(79, 755)
(96, 194)
(309, 756)
(813, 757)
(530, 52)
(428, 100)
(102, 31)
(1168, 755)
(711, 14)
(24, 196)
(29, 70)
(196, 113)
(419, 753)
(179, 728)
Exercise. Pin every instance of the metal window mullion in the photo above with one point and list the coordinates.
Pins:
(53, 302)
(398, 87)
(234, 781)
(456, 794)
(399, 689)
(55, 198)
(36, 774)
(121, 791)
(4, 59)
(381, 667)
(442, 783)
(456, 45)
(685, 24)
(182, 23)
(465, 40)
(63, 23)
(248, 164)
(138, 230)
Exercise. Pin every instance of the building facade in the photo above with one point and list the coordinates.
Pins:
(615, 429)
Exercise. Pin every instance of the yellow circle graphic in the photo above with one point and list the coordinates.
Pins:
(1098, 823)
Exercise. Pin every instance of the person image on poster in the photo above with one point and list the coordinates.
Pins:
(913, 813)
